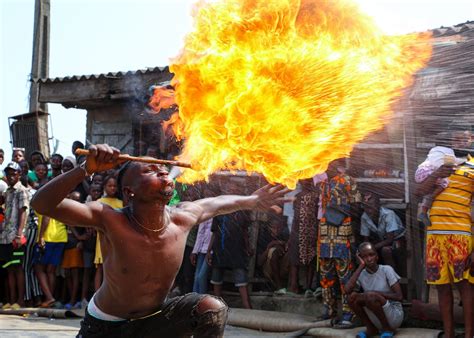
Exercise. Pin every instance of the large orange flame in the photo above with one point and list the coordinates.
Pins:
(283, 87)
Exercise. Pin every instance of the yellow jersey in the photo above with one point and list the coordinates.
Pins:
(451, 209)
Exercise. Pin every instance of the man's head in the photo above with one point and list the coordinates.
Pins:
(12, 172)
(98, 179)
(68, 164)
(337, 166)
(77, 145)
(56, 162)
(145, 182)
(459, 138)
(369, 255)
(95, 191)
(18, 155)
(276, 225)
(371, 203)
(75, 195)
(110, 186)
(37, 157)
(2, 156)
(25, 167)
(41, 170)
(307, 184)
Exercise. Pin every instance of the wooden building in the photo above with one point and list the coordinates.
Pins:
(443, 93)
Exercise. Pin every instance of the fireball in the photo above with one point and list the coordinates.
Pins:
(284, 87)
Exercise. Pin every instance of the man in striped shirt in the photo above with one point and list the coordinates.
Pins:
(449, 238)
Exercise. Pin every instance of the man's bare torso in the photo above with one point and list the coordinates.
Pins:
(139, 265)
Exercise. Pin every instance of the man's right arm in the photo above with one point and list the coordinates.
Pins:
(51, 201)
(428, 185)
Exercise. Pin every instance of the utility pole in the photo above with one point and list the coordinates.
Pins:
(30, 130)
(40, 59)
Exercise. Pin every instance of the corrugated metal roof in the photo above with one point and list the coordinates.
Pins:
(453, 30)
(437, 32)
(109, 75)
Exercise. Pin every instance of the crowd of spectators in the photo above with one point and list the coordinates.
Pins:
(46, 263)
(339, 243)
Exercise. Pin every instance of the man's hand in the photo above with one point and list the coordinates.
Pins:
(19, 241)
(270, 197)
(444, 171)
(102, 157)
(360, 260)
(369, 295)
(470, 263)
(41, 242)
(193, 259)
(209, 258)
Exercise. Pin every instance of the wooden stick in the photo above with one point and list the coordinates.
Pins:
(126, 157)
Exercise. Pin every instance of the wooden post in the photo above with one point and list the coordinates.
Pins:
(253, 238)
(416, 259)
(40, 70)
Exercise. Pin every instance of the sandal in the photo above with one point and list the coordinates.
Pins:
(386, 334)
(362, 334)
(15, 306)
(344, 325)
(285, 292)
(47, 304)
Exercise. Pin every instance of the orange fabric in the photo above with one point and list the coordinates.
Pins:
(72, 259)
(446, 258)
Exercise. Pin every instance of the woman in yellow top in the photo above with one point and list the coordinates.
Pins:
(48, 255)
(110, 198)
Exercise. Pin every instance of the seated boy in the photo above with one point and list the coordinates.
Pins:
(272, 255)
(383, 228)
(378, 306)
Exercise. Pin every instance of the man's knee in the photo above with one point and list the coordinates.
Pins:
(386, 251)
(372, 298)
(210, 303)
(354, 298)
(212, 317)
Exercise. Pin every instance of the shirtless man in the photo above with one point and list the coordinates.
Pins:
(143, 245)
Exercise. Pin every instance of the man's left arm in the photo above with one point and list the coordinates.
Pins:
(393, 226)
(393, 281)
(265, 198)
(389, 238)
(21, 224)
(23, 205)
(396, 293)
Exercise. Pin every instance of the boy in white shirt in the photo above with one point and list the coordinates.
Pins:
(378, 306)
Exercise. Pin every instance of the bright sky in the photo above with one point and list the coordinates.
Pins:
(99, 36)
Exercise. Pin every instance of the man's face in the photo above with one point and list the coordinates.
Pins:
(370, 257)
(24, 167)
(41, 171)
(275, 228)
(67, 166)
(110, 187)
(371, 205)
(13, 176)
(462, 139)
(36, 159)
(75, 196)
(2, 158)
(151, 182)
(95, 192)
(18, 156)
(56, 162)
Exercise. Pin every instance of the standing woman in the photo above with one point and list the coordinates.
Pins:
(33, 291)
(110, 199)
